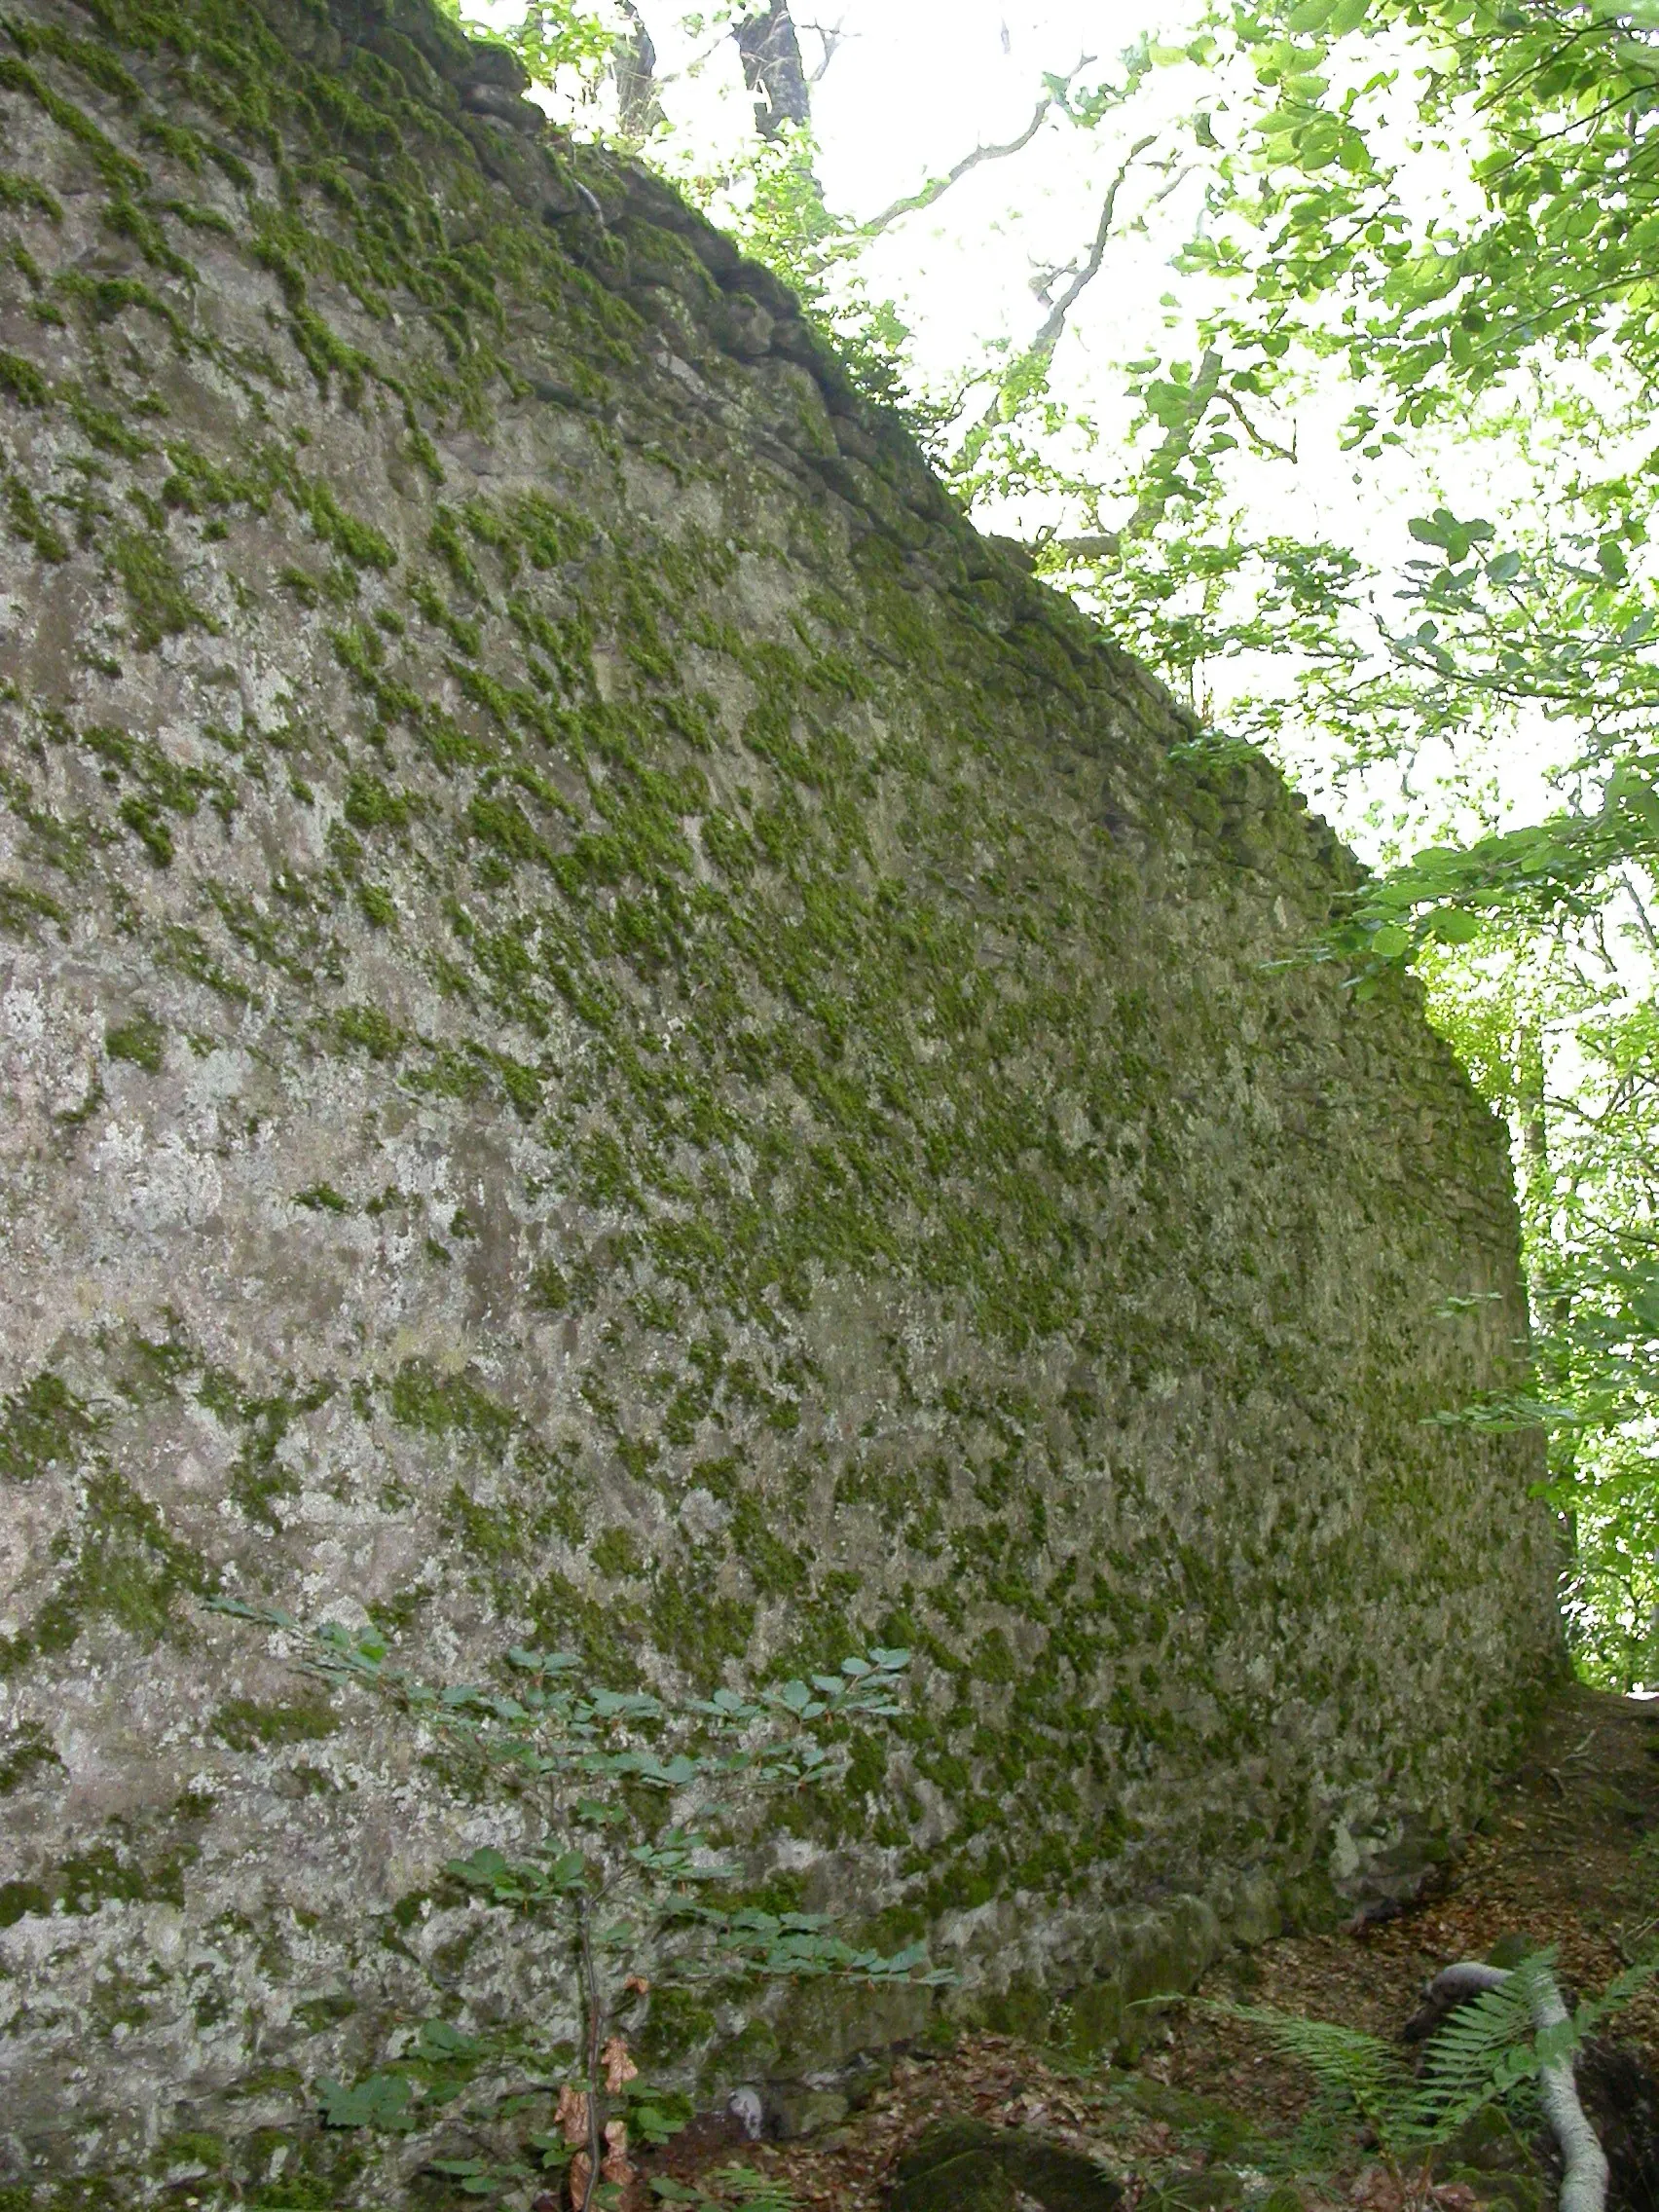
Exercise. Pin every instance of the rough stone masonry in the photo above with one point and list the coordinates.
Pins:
(617, 1031)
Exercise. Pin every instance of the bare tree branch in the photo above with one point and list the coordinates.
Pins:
(1033, 363)
(833, 38)
(1041, 347)
(937, 187)
(1645, 925)
(1258, 439)
(1042, 281)
(1172, 449)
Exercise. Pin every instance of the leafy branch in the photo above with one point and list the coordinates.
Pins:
(616, 1790)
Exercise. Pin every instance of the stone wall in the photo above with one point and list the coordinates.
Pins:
(617, 1031)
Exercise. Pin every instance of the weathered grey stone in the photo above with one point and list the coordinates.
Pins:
(797, 2108)
(615, 1030)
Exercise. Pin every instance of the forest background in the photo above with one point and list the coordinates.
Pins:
(1312, 348)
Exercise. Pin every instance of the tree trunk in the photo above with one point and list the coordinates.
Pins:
(772, 66)
(634, 70)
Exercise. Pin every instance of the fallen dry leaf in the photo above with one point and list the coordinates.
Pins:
(571, 2115)
(618, 2067)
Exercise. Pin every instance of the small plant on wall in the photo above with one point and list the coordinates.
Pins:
(618, 1791)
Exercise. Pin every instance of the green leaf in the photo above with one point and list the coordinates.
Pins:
(1389, 942)
(381, 2101)
(1454, 925)
(1479, 2052)
(552, 2149)
(1617, 1994)
(242, 1612)
(483, 1866)
(1453, 538)
(658, 2114)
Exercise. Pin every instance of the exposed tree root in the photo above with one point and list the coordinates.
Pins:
(1584, 2179)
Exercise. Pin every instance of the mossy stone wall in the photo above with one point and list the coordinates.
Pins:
(615, 1030)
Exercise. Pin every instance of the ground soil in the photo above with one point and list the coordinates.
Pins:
(1559, 1859)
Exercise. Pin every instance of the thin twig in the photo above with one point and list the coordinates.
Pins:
(1629, 1935)
(1041, 352)
(590, 1985)
(937, 187)
(1645, 925)
(1258, 439)
(833, 38)
(1049, 337)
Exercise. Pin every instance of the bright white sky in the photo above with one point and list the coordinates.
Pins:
(913, 87)
(919, 81)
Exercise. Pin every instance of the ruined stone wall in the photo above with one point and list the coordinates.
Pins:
(613, 1030)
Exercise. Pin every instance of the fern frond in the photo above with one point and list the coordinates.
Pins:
(1482, 2051)
(1360, 2070)
(1617, 1994)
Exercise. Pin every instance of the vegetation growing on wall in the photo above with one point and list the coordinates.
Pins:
(627, 1803)
(1429, 219)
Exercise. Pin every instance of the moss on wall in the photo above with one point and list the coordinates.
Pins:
(616, 1030)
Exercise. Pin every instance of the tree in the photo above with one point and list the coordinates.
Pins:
(638, 107)
(772, 66)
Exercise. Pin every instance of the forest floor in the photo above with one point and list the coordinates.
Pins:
(1560, 1859)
